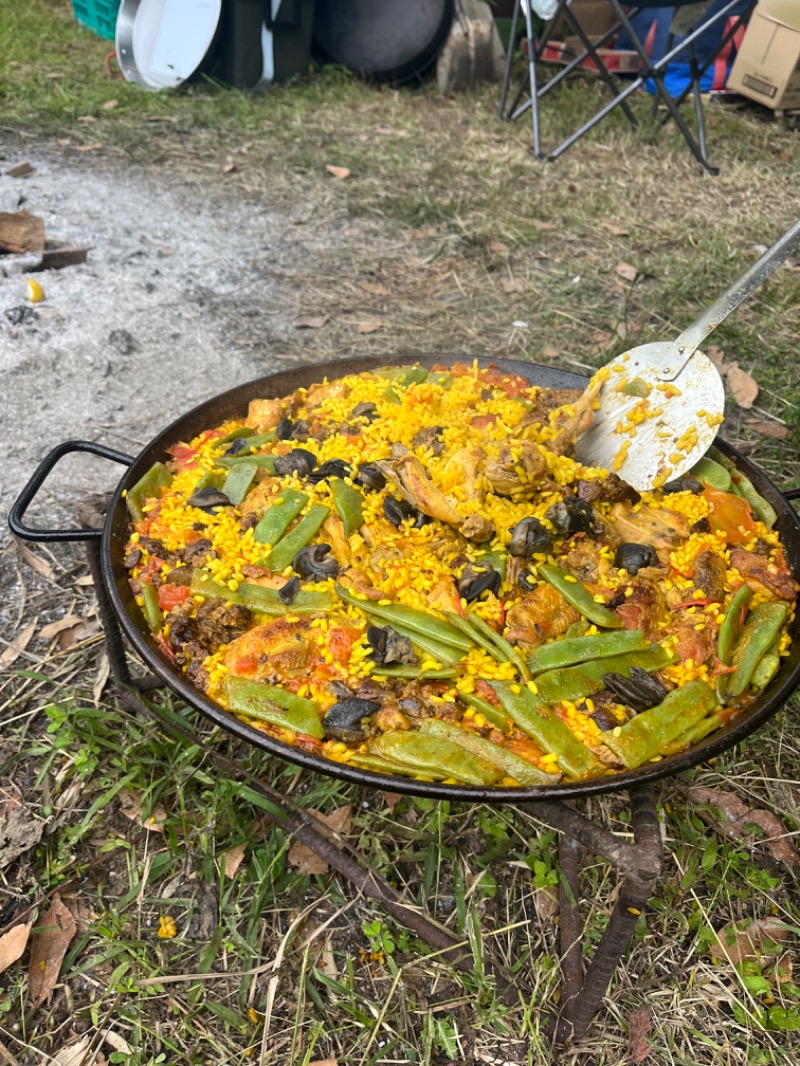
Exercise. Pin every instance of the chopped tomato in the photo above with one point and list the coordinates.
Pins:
(484, 691)
(483, 421)
(163, 643)
(340, 642)
(730, 515)
(246, 665)
(170, 596)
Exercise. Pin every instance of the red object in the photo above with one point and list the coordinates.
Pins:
(730, 514)
(170, 596)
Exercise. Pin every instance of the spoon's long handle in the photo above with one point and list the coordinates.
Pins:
(692, 337)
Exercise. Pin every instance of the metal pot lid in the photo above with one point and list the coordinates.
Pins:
(162, 43)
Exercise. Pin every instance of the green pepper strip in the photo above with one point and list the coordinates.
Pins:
(415, 621)
(567, 651)
(432, 754)
(576, 682)
(710, 472)
(577, 594)
(148, 486)
(485, 637)
(645, 736)
(289, 545)
(237, 483)
(744, 487)
(535, 719)
(349, 505)
(413, 673)
(279, 517)
(767, 668)
(511, 764)
(494, 715)
(259, 598)
(760, 630)
(274, 705)
(150, 608)
(732, 626)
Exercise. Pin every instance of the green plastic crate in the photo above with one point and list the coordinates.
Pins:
(98, 15)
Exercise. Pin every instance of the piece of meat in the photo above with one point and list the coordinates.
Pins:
(584, 560)
(774, 576)
(272, 651)
(414, 485)
(264, 415)
(318, 394)
(709, 574)
(356, 580)
(573, 419)
(517, 469)
(609, 489)
(465, 466)
(641, 610)
(477, 529)
(333, 533)
(199, 552)
(218, 622)
(444, 597)
(541, 615)
(261, 497)
(429, 437)
(691, 643)
(657, 527)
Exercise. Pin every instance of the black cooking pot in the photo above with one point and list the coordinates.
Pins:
(233, 404)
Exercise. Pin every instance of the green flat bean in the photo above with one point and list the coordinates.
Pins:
(649, 733)
(434, 755)
(762, 627)
(259, 598)
(535, 719)
(577, 594)
(767, 668)
(150, 607)
(147, 487)
(237, 483)
(511, 764)
(379, 765)
(235, 434)
(762, 509)
(568, 650)
(711, 473)
(693, 735)
(348, 504)
(290, 543)
(485, 637)
(576, 682)
(413, 673)
(494, 715)
(274, 705)
(414, 621)
(266, 462)
(732, 626)
(280, 515)
(429, 646)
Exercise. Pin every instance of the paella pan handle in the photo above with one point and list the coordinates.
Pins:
(791, 494)
(28, 494)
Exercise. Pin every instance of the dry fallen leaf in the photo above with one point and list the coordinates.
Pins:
(337, 172)
(317, 322)
(549, 353)
(742, 385)
(717, 357)
(229, 167)
(36, 562)
(498, 247)
(614, 230)
(769, 429)
(50, 938)
(512, 285)
(109, 105)
(12, 945)
(737, 816)
(133, 808)
(324, 1062)
(117, 1042)
(370, 326)
(374, 289)
(20, 829)
(88, 147)
(83, 629)
(77, 1054)
(54, 628)
(307, 861)
(627, 272)
(233, 857)
(21, 170)
(639, 1025)
(18, 646)
(545, 899)
(543, 227)
(391, 799)
(742, 945)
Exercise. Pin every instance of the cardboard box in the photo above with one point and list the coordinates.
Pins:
(616, 61)
(767, 66)
(593, 16)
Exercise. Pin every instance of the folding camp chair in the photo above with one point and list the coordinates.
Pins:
(692, 20)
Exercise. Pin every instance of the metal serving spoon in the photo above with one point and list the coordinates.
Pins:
(668, 393)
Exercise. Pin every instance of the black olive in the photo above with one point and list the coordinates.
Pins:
(640, 691)
(289, 590)
(208, 498)
(398, 510)
(682, 484)
(333, 468)
(370, 477)
(238, 444)
(365, 410)
(344, 720)
(298, 461)
(283, 430)
(132, 559)
(702, 525)
(315, 563)
(388, 646)
(476, 580)
(582, 518)
(632, 557)
(604, 719)
(528, 537)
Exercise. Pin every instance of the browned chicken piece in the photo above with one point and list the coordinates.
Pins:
(261, 497)
(446, 545)
(573, 419)
(414, 485)
(272, 651)
(318, 394)
(774, 576)
(264, 415)
(477, 529)
(709, 574)
(642, 609)
(608, 489)
(658, 527)
(333, 533)
(548, 400)
(356, 580)
(517, 470)
(584, 560)
(444, 596)
(429, 437)
(542, 615)
(389, 717)
(691, 643)
(467, 463)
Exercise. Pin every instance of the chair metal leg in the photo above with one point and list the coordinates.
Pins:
(509, 61)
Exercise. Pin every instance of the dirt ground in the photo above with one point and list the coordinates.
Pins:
(186, 292)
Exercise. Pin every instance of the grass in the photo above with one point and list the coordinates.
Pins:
(464, 244)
